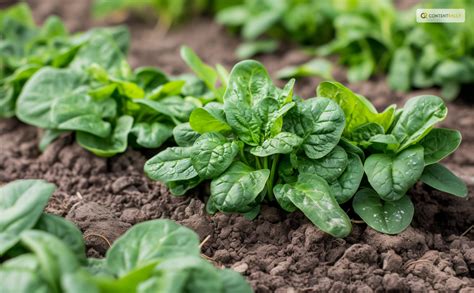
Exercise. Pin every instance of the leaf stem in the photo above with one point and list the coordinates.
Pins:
(242, 156)
(272, 177)
(259, 165)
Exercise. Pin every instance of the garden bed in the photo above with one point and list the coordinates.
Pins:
(277, 251)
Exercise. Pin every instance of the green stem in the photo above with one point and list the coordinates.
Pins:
(243, 157)
(272, 177)
(257, 160)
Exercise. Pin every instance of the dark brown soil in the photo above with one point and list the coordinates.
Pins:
(278, 251)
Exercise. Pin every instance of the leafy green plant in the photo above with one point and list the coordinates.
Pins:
(169, 12)
(254, 145)
(401, 148)
(304, 21)
(262, 144)
(369, 38)
(45, 253)
(87, 87)
(425, 59)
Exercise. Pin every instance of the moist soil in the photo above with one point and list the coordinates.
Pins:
(277, 252)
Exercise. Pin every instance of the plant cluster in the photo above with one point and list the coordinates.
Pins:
(83, 83)
(368, 36)
(264, 144)
(169, 12)
(40, 252)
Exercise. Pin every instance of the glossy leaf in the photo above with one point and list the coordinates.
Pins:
(48, 84)
(236, 190)
(208, 119)
(319, 122)
(213, 154)
(328, 167)
(21, 205)
(282, 143)
(312, 195)
(346, 185)
(115, 143)
(419, 115)
(151, 135)
(357, 109)
(440, 143)
(184, 135)
(441, 178)
(172, 164)
(392, 175)
(148, 242)
(390, 217)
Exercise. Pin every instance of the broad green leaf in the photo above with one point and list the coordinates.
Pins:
(42, 89)
(249, 83)
(280, 192)
(282, 143)
(237, 189)
(25, 261)
(357, 109)
(184, 135)
(441, 178)
(185, 274)
(328, 167)
(346, 185)
(363, 133)
(244, 121)
(249, 49)
(21, 204)
(88, 123)
(402, 65)
(391, 175)
(148, 242)
(151, 135)
(271, 112)
(79, 282)
(419, 115)
(213, 154)
(172, 106)
(316, 67)
(440, 143)
(102, 50)
(172, 164)
(178, 188)
(320, 122)
(203, 71)
(149, 78)
(312, 195)
(204, 120)
(65, 230)
(81, 112)
(15, 280)
(109, 146)
(7, 101)
(384, 142)
(390, 217)
(54, 256)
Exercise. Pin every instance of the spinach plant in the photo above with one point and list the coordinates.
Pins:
(264, 144)
(401, 147)
(40, 252)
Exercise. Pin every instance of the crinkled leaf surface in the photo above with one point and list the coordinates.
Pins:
(213, 154)
(392, 175)
(237, 189)
(148, 242)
